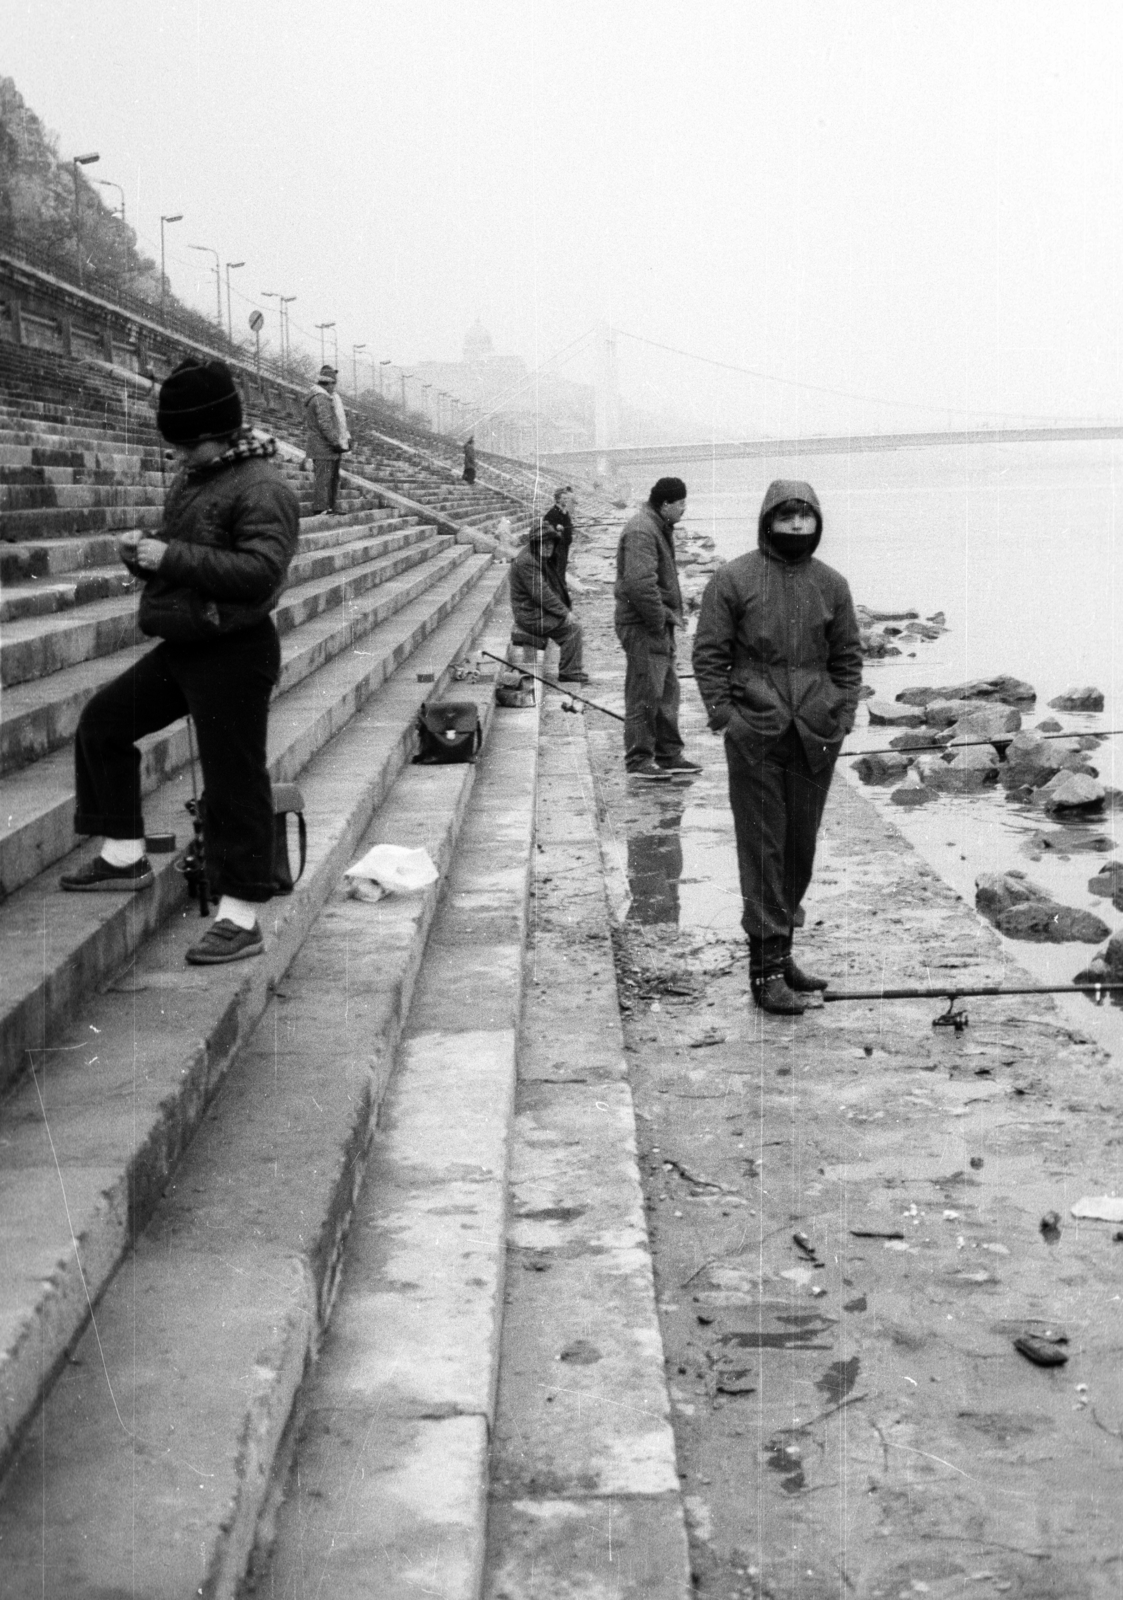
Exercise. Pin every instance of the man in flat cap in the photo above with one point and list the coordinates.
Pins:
(326, 439)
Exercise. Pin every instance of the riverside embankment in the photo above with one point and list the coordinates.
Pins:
(850, 1411)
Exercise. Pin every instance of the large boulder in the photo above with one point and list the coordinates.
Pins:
(1030, 761)
(912, 792)
(1011, 690)
(1078, 699)
(946, 713)
(887, 768)
(972, 769)
(885, 714)
(1108, 882)
(1045, 923)
(996, 723)
(918, 739)
(996, 892)
(1072, 791)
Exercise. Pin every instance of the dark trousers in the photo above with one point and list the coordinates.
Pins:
(325, 483)
(777, 803)
(225, 685)
(651, 698)
(567, 636)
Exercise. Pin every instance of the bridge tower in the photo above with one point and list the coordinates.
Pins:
(607, 390)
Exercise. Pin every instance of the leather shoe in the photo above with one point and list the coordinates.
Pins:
(771, 993)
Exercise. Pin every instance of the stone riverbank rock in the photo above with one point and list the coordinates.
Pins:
(1108, 882)
(971, 770)
(919, 739)
(1030, 761)
(995, 722)
(1041, 922)
(1078, 699)
(1072, 791)
(996, 892)
(1011, 690)
(946, 713)
(886, 714)
(912, 792)
(887, 768)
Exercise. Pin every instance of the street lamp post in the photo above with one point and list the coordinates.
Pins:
(286, 301)
(81, 161)
(107, 183)
(217, 278)
(178, 217)
(385, 362)
(230, 265)
(355, 348)
(425, 387)
(323, 326)
(402, 376)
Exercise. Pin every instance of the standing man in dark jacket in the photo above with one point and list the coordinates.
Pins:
(540, 603)
(648, 610)
(325, 439)
(560, 517)
(778, 664)
(212, 575)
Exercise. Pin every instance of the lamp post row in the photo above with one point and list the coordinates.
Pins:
(166, 219)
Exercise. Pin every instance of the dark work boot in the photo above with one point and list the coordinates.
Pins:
(769, 988)
(771, 993)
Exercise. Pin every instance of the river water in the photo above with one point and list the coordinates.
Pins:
(1019, 547)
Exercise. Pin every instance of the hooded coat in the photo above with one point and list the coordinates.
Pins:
(777, 644)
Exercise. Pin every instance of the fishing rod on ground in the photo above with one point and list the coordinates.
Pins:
(969, 744)
(193, 862)
(562, 688)
(955, 1017)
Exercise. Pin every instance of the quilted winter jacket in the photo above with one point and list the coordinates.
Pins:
(777, 644)
(647, 588)
(231, 530)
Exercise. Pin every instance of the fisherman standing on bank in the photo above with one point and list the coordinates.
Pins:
(648, 610)
(778, 664)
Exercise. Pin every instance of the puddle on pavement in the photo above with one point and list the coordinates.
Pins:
(681, 863)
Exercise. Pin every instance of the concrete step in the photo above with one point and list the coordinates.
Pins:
(33, 559)
(76, 497)
(37, 647)
(63, 477)
(388, 1489)
(39, 799)
(269, 1184)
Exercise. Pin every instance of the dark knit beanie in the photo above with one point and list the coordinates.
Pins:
(198, 401)
(666, 491)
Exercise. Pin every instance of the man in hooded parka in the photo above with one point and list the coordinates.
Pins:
(778, 664)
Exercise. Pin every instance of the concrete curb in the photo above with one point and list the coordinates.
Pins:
(391, 1494)
(585, 1494)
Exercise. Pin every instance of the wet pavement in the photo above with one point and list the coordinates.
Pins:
(854, 1215)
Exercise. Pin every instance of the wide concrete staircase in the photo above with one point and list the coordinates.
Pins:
(181, 1149)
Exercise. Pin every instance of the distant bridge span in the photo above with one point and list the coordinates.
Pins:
(657, 455)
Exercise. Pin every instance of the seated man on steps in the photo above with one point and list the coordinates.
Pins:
(540, 603)
(212, 575)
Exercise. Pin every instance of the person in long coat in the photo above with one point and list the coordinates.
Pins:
(325, 439)
(778, 664)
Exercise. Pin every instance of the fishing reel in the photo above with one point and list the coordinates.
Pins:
(193, 862)
(954, 1017)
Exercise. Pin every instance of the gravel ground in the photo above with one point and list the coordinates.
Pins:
(846, 1214)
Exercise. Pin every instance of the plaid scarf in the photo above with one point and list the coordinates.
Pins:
(247, 443)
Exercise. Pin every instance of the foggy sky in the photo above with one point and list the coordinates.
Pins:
(917, 203)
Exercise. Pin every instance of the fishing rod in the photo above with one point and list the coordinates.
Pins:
(970, 744)
(955, 1017)
(562, 688)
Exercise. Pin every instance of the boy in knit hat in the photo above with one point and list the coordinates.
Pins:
(212, 575)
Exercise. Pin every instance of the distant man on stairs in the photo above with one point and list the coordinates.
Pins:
(327, 439)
